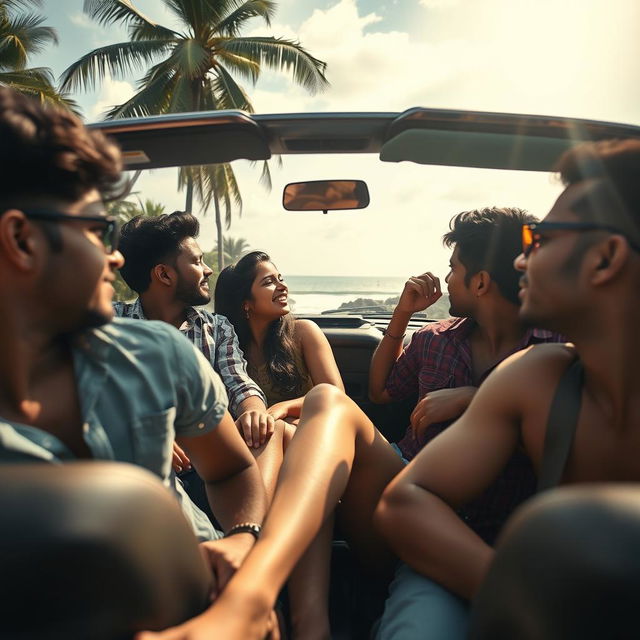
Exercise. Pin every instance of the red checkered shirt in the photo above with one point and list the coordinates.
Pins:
(439, 357)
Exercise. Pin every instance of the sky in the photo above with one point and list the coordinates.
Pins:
(576, 58)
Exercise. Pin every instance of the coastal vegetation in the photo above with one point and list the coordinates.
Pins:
(194, 68)
(22, 35)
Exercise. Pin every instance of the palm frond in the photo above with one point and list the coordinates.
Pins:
(182, 95)
(241, 66)
(21, 37)
(213, 182)
(145, 31)
(191, 58)
(199, 15)
(153, 99)
(283, 55)
(229, 94)
(117, 59)
(233, 23)
(108, 12)
(265, 176)
(8, 6)
(38, 82)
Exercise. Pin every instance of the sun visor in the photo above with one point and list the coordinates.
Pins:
(474, 149)
(187, 139)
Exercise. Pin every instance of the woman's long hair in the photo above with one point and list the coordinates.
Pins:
(233, 288)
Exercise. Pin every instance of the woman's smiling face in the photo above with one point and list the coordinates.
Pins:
(269, 293)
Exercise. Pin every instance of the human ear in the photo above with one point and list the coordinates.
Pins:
(162, 274)
(17, 241)
(482, 281)
(608, 259)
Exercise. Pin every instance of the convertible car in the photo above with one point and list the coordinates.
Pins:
(494, 158)
(459, 160)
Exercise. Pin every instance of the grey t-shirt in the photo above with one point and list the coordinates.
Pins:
(140, 385)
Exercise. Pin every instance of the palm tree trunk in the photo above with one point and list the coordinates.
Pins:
(188, 203)
(216, 204)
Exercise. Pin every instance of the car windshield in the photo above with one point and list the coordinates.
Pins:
(358, 261)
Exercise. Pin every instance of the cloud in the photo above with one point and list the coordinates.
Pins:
(112, 92)
(83, 21)
(369, 66)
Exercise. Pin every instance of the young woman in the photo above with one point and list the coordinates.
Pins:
(285, 356)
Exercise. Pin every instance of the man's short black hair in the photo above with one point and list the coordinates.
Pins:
(148, 241)
(489, 239)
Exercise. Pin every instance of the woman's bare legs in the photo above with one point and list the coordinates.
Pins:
(269, 457)
(336, 454)
(309, 581)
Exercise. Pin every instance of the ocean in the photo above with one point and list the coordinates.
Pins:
(314, 294)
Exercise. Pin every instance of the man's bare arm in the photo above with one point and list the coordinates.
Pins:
(417, 511)
(235, 491)
(229, 472)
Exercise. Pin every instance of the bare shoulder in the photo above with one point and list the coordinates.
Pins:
(527, 374)
(307, 329)
(537, 358)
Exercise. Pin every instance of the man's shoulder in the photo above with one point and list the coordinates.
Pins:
(544, 358)
(130, 332)
(441, 330)
(209, 317)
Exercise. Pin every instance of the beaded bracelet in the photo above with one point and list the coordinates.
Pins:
(245, 527)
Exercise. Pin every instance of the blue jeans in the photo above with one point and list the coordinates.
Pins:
(420, 608)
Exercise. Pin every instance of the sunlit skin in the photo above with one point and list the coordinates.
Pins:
(41, 299)
(512, 406)
(83, 250)
(496, 334)
(193, 274)
(48, 296)
(269, 301)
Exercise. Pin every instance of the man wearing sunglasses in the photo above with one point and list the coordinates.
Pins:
(76, 385)
(445, 363)
(575, 408)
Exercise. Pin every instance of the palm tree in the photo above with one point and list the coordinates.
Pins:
(22, 34)
(193, 70)
(234, 249)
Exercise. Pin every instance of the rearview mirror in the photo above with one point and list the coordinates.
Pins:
(325, 195)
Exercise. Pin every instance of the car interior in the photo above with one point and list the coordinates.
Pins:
(418, 135)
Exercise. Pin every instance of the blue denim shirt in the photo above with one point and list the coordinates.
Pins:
(140, 385)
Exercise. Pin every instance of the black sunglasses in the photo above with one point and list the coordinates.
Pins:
(531, 232)
(109, 238)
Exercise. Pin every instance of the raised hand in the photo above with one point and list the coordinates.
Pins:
(419, 293)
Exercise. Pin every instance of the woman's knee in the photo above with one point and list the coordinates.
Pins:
(324, 395)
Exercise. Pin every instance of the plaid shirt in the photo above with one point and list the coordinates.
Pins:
(214, 335)
(439, 357)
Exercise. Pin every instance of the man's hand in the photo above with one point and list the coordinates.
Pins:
(225, 556)
(256, 427)
(419, 293)
(181, 460)
(439, 406)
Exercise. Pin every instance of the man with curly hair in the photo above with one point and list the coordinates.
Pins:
(76, 384)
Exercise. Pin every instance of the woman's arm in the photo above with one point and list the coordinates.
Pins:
(320, 363)
(317, 354)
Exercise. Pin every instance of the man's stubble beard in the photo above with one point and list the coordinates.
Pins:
(191, 296)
